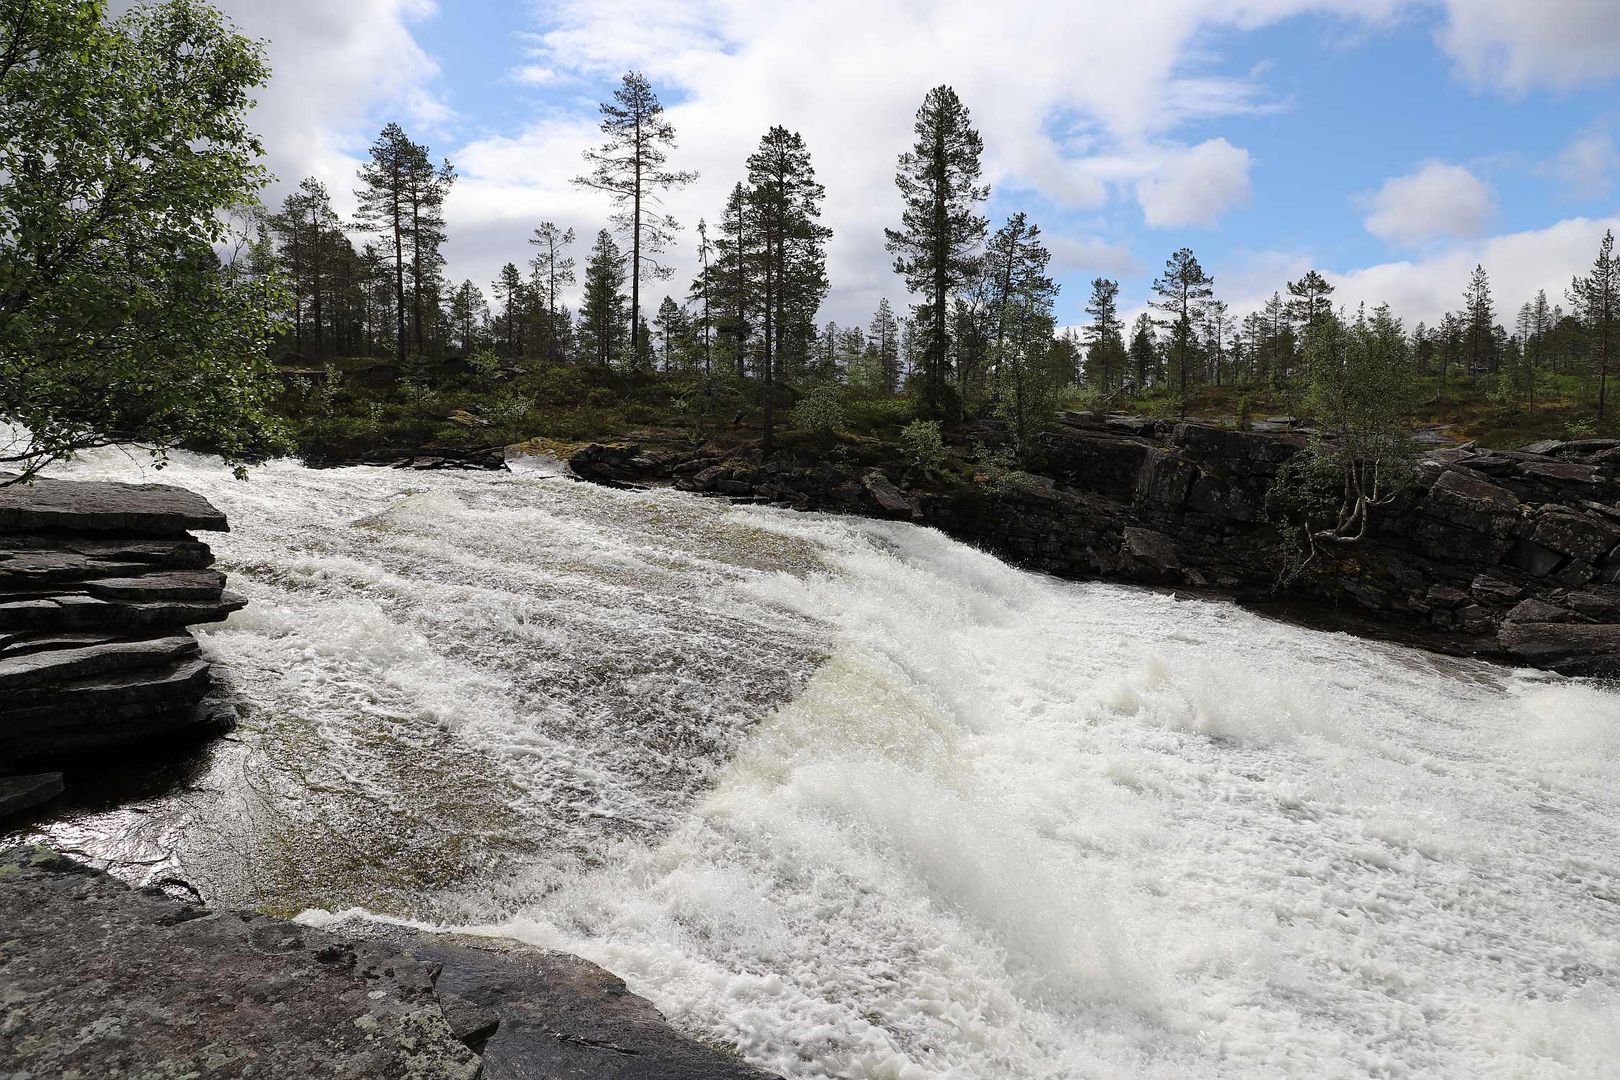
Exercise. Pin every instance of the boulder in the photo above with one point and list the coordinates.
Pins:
(1587, 537)
(887, 496)
(1151, 549)
(19, 793)
(1573, 648)
(1561, 472)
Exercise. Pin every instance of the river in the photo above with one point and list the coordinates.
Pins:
(865, 802)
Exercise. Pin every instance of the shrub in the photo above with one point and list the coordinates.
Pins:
(821, 411)
(922, 443)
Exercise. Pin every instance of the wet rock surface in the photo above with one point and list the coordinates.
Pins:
(1476, 533)
(100, 979)
(98, 584)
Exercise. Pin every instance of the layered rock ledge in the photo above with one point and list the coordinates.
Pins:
(99, 979)
(98, 585)
(1513, 555)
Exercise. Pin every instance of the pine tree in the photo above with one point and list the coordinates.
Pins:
(602, 314)
(402, 201)
(1596, 299)
(1181, 291)
(509, 290)
(1217, 326)
(552, 270)
(941, 227)
(631, 168)
(309, 230)
(1311, 300)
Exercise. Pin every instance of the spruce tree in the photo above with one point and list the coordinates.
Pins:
(631, 167)
(1596, 298)
(1480, 316)
(885, 334)
(1104, 339)
(941, 227)
(602, 313)
(1143, 353)
(786, 200)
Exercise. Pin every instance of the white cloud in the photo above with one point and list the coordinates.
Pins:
(1078, 126)
(1588, 165)
(1518, 263)
(1424, 289)
(1195, 186)
(339, 72)
(1519, 45)
(1438, 200)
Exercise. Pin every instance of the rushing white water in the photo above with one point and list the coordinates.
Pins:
(867, 803)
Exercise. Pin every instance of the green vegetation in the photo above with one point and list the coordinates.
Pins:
(122, 144)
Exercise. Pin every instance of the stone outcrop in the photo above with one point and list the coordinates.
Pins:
(99, 979)
(425, 458)
(1476, 534)
(98, 584)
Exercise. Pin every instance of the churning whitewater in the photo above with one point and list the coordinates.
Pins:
(865, 802)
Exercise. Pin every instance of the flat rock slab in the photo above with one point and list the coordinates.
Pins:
(100, 980)
(182, 677)
(561, 1016)
(159, 585)
(92, 613)
(99, 506)
(19, 793)
(39, 669)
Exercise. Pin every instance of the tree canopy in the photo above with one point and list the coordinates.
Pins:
(122, 143)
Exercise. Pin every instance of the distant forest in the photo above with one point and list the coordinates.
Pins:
(982, 329)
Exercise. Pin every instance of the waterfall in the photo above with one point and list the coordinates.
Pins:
(865, 802)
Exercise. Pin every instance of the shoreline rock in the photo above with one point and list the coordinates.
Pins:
(1181, 504)
(101, 979)
(98, 584)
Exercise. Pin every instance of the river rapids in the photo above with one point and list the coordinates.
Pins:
(862, 801)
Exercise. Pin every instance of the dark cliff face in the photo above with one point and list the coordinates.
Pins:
(1513, 554)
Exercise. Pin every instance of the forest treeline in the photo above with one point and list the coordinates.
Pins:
(981, 331)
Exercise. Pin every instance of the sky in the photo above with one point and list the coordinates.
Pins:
(1393, 144)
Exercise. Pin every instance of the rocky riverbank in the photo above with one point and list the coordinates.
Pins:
(98, 585)
(99, 979)
(1513, 555)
